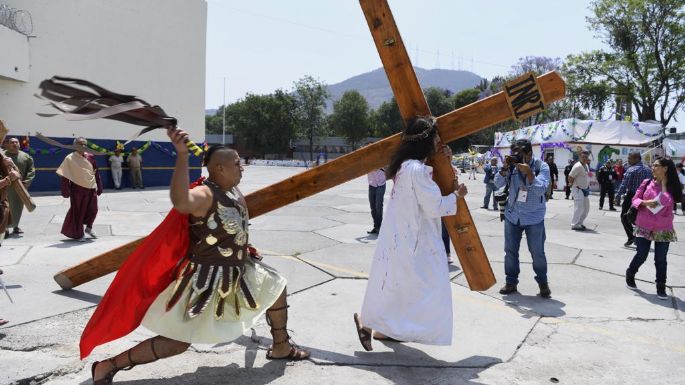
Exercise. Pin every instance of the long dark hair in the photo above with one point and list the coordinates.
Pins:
(417, 143)
(672, 181)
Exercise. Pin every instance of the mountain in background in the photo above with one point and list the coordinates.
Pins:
(374, 85)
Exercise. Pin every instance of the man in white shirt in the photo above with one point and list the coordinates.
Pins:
(580, 191)
(115, 162)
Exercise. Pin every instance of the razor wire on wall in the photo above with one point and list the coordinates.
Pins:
(16, 19)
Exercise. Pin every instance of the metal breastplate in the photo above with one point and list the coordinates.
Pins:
(217, 253)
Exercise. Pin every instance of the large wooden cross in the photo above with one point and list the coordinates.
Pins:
(520, 98)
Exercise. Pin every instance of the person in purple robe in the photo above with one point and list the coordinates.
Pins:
(81, 183)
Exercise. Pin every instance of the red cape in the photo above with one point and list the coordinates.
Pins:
(146, 273)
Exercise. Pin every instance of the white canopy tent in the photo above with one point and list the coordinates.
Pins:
(674, 148)
(564, 139)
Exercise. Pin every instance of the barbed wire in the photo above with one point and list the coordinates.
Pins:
(16, 19)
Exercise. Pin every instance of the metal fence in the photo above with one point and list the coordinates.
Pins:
(16, 19)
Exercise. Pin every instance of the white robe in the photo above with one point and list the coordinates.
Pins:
(408, 296)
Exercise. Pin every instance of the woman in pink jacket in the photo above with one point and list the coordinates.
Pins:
(654, 199)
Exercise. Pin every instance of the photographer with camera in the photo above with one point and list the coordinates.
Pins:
(526, 180)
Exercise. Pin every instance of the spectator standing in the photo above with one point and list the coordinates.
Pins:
(654, 223)
(489, 180)
(527, 181)
(620, 170)
(567, 170)
(554, 176)
(115, 163)
(580, 190)
(376, 180)
(135, 165)
(681, 178)
(5, 183)
(23, 163)
(633, 177)
(606, 176)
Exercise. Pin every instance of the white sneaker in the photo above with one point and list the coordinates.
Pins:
(91, 232)
(82, 239)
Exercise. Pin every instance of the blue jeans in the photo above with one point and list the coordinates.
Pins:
(445, 237)
(376, 195)
(535, 235)
(660, 251)
(490, 190)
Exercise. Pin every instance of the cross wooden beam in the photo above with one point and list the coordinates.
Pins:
(454, 125)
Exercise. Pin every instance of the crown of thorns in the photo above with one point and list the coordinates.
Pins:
(428, 131)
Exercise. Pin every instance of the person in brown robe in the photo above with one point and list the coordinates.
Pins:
(81, 183)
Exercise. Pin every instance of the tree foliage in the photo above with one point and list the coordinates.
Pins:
(311, 95)
(645, 59)
(350, 117)
(386, 120)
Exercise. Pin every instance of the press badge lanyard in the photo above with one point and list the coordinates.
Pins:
(522, 192)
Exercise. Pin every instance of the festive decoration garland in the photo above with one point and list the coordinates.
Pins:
(95, 147)
(545, 146)
(164, 150)
(571, 134)
(551, 131)
(641, 131)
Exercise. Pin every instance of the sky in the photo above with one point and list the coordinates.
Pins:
(262, 45)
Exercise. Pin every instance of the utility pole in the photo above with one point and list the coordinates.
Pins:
(223, 124)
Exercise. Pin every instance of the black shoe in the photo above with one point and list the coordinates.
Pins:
(612, 209)
(600, 207)
(508, 289)
(484, 207)
(372, 231)
(545, 292)
(629, 242)
(661, 291)
(7, 234)
(630, 280)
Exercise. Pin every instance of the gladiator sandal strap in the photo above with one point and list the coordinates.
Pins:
(269, 321)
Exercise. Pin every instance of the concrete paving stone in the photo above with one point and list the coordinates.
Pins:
(323, 212)
(288, 242)
(355, 208)
(602, 353)
(678, 294)
(291, 223)
(617, 261)
(335, 302)
(578, 292)
(50, 233)
(70, 252)
(349, 233)
(346, 260)
(352, 218)
(586, 239)
(11, 255)
(36, 295)
(300, 275)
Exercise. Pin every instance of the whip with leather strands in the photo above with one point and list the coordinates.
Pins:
(77, 99)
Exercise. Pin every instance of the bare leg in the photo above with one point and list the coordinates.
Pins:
(277, 318)
(145, 352)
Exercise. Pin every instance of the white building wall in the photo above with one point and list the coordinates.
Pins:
(154, 49)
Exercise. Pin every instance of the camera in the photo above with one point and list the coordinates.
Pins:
(501, 199)
(515, 158)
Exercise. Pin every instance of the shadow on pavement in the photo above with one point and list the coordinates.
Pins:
(80, 295)
(67, 243)
(531, 306)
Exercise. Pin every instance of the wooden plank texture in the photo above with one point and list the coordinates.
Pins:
(459, 123)
(412, 103)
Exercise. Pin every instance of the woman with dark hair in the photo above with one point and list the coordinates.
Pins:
(653, 200)
(408, 296)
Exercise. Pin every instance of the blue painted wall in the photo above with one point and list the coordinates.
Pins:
(157, 164)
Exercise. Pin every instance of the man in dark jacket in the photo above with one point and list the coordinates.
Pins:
(554, 176)
(567, 170)
(606, 176)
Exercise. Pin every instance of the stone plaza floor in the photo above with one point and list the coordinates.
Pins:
(592, 331)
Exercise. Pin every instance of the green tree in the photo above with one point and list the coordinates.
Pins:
(264, 123)
(646, 57)
(438, 100)
(465, 97)
(350, 117)
(310, 96)
(386, 120)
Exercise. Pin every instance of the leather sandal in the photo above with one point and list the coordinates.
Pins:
(109, 377)
(296, 353)
(364, 334)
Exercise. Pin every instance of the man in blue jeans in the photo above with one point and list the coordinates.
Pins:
(376, 180)
(489, 180)
(527, 180)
